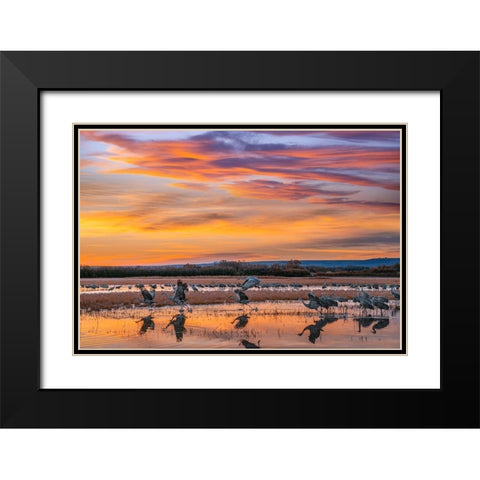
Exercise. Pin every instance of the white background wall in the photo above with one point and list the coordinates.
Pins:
(245, 25)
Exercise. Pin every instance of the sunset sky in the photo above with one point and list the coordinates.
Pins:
(151, 197)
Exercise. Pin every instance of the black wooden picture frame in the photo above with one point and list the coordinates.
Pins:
(24, 75)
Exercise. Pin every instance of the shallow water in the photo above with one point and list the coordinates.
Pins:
(212, 327)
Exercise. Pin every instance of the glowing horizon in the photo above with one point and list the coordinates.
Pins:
(159, 197)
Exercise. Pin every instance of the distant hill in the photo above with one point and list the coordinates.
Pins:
(371, 262)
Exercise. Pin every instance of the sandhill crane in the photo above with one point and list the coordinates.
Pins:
(148, 296)
(362, 293)
(366, 303)
(314, 302)
(250, 282)
(364, 299)
(148, 323)
(317, 302)
(179, 294)
(380, 324)
(377, 302)
(342, 300)
(327, 302)
(180, 289)
(395, 294)
(194, 288)
(248, 344)
(178, 322)
(241, 320)
(242, 298)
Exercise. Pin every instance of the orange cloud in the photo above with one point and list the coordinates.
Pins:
(216, 196)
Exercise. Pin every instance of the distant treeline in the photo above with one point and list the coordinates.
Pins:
(292, 268)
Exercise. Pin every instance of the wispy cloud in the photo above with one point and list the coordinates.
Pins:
(270, 189)
(195, 194)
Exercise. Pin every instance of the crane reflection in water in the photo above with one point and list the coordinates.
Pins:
(317, 327)
(241, 320)
(178, 322)
(279, 323)
(148, 324)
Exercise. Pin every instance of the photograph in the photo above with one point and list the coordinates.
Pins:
(240, 238)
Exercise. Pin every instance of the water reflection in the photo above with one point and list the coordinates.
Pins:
(178, 322)
(222, 326)
(384, 322)
(366, 321)
(314, 329)
(148, 323)
(241, 320)
(248, 344)
(317, 327)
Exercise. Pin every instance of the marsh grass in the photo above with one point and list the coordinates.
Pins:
(212, 294)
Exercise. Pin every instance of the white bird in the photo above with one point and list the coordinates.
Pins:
(250, 282)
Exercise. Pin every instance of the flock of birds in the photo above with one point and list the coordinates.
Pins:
(322, 304)
(367, 302)
(180, 299)
(264, 285)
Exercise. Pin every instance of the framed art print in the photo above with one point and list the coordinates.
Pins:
(242, 238)
(275, 229)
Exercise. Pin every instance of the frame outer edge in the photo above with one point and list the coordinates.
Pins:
(23, 73)
(19, 167)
